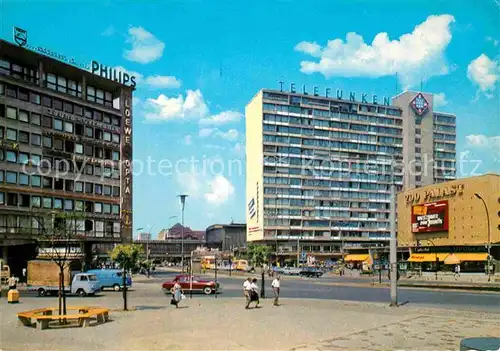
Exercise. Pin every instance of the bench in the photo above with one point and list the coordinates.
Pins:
(44, 316)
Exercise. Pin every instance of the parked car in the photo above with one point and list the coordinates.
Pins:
(198, 285)
(111, 278)
(291, 271)
(311, 272)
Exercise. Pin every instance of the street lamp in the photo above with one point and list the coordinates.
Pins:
(489, 234)
(183, 202)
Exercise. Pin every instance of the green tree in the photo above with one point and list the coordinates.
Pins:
(258, 254)
(127, 256)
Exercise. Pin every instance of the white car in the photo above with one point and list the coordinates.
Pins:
(291, 271)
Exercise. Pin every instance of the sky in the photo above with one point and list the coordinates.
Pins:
(198, 64)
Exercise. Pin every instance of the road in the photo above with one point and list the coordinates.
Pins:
(337, 289)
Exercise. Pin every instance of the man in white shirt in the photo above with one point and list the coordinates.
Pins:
(247, 288)
(255, 292)
(276, 289)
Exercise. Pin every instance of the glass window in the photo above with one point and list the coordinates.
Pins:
(35, 160)
(68, 205)
(78, 110)
(58, 203)
(35, 98)
(24, 137)
(116, 191)
(88, 113)
(116, 138)
(106, 208)
(11, 134)
(47, 141)
(2, 132)
(1, 176)
(36, 180)
(98, 189)
(58, 144)
(58, 124)
(36, 139)
(68, 107)
(2, 198)
(11, 177)
(107, 136)
(2, 110)
(46, 101)
(23, 94)
(98, 207)
(79, 187)
(78, 205)
(11, 113)
(24, 179)
(36, 201)
(116, 156)
(97, 116)
(68, 127)
(23, 158)
(107, 190)
(78, 148)
(47, 202)
(89, 132)
(11, 91)
(35, 119)
(106, 118)
(47, 182)
(115, 121)
(89, 188)
(116, 209)
(2, 89)
(11, 156)
(57, 104)
(47, 122)
(24, 116)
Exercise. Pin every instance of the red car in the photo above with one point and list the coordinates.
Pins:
(199, 285)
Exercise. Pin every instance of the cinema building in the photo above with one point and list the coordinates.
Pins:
(319, 168)
(65, 146)
(456, 222)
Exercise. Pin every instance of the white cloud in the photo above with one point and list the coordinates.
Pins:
(205, 132)
(146, 47)
(239, 149)
(440, 100)
(188, 140)
(109, 31)
(484, 72)
(421, 51)
(163, 82)
(494, 41)
(221, 190)
(483, 141)
(231, 134)
(189, 183)
(166, 108)
(222, 118)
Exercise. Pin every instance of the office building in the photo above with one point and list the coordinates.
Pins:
(319, 169)
(65, 146)
(226, 237)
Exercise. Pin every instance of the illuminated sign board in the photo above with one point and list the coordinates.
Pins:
(435, 194)
(429, 217)
(419, 104)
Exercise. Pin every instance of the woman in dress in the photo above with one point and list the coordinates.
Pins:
(176, 293)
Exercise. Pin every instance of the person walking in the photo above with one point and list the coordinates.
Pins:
(457, 271)
(247, 291)
(276, 289)
(176, 294)
(25, 279)
(255, 293)
(12, 282)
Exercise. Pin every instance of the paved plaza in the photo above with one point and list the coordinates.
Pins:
(207, 323)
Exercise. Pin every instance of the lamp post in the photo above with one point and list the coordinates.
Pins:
(183, 202)
(489, 234)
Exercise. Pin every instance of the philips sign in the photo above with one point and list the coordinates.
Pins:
(112, 74)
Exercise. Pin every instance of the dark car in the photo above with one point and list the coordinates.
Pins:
(197, 285)
(311, 272)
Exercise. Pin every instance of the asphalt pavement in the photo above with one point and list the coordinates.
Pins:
(336, 288)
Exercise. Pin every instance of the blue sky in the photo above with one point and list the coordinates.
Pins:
(199, 63)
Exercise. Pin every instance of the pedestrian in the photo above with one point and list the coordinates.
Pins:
(25, 280)
(276, 289)
(12, 282)
(247, 290)
(254, 296)
(176, 293)
(457, 271)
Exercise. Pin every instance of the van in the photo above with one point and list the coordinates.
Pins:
(242, 265)
(111, 278)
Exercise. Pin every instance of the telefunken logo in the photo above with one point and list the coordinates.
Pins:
(419, 104)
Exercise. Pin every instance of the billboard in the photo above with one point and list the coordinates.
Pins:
(429, 217)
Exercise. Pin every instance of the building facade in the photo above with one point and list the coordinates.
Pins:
(170, 250)
(319, 169)
(451, 217)
(65, 147)
(226, 237)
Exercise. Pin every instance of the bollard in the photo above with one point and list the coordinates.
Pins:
(262, 290)
(13, 296)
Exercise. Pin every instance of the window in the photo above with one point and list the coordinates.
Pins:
(46, 101)
(67, 107)
(89, 188)
(24, 179)
(36, 201)
(24, 116)
(35, 98)
(88, 150)
(36, 160)
(11, 113)
(78, 148)
(24, 137)
(78, 110)
(98, 207)
(11, 177)
(11, 134)
(115, 121)
(116, 138)
(36, 180)
(78, 129)
(68, 127)
(11, 199)
(11, 91)
(69, 185)
(69, 146)
(47, 122)
(58, 203)
(107, 190)
(116, 156)
(57, 104)
(79, 187)
(35, 119)
(89, 132)
(97, 116)
(2, 198)
(58, 124)
(24, 200)
(116, 191)
(58, 184)
(2, 89)
(78, 205)
(107, 136)
(23, 94)
(98, 134)
(47, 202)
(106, 208)
(47, 182)
(58, 144)
(106, 118)
(36, 139)
(88, 113)
(98, 189)
(68, 205)
(2, 110)
(47, 141)
(1, 176)
(116, 209)
(11, 156)
(2, 132)
(23, 158)
(89, 169)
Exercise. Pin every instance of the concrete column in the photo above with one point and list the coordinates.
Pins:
(40, 72)
(84, 88)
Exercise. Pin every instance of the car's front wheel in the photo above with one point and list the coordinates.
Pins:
(207, 290)
(116, 287)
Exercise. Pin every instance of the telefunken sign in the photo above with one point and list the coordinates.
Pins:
(339, 94)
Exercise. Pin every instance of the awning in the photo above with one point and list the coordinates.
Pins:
(357, 257)
(472, 257)
(427, 257)
(452, 259)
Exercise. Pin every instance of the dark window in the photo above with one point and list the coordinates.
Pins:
(106, 118)
(35, 98)
(59, 184)
(88, 113)
(78, 129)
(69, 146)
(36, 119)
(57, 104)
(24, 137)
(47, 122)
(89, 188)
(2, 111)
(98, 152)
(88, 150)
(36, 139)
(98, 134)
(11, 91)
(97, 116)
(89, 132)
(107, 154)
(89, 169)
(11, 199)
(58, 144)
(23, 94)
(107, 190)
(78, 110)
(46, 101)
(116, 191)
(68, 107)
(24, 200)
(69, 185)
(47, 182)
(115, 121)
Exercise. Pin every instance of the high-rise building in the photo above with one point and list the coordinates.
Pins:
(65, 146)
(319, 169)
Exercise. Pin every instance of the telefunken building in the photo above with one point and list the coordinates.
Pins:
(65, 145)
(319, 168)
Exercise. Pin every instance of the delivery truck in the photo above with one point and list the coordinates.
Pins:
(43, 277)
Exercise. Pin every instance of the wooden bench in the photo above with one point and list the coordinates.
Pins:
(44, 316)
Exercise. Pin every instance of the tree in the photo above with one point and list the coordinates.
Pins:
(60, 234)
(127, 256)
(258, 254)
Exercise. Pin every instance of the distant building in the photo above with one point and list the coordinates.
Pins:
(163, 234)
(144, 236)
(170, 249)
(226, 236)
(176, 233)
